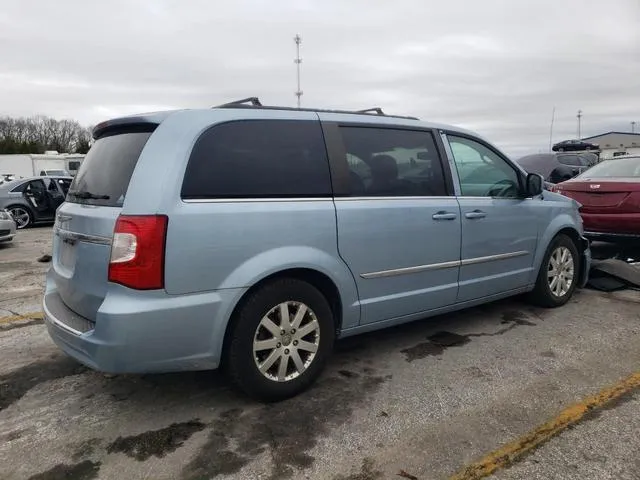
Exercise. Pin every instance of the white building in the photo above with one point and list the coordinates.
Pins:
(613, 144)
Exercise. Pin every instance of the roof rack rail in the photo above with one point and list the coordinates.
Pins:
(377, 110)
(254, 101)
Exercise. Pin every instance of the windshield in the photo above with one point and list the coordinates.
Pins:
(623, 167)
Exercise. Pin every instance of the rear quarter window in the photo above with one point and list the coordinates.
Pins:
(571, 160)
(258, 159)
(108, 167)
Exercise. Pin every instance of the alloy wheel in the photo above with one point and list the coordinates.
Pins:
(286, 341)
(21, 216)
(560, 271)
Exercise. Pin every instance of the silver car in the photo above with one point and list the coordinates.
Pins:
(33, 200)
(7, 227)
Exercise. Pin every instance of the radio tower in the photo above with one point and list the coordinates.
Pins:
(298, 61)
(579, 117)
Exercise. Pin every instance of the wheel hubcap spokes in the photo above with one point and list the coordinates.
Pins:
(286, 341)
(560, 271)
(21, 217)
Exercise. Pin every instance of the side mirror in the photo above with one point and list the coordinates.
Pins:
(533, 184)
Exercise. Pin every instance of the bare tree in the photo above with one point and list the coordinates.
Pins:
(39, 133)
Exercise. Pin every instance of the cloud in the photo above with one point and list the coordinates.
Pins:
(497, 66)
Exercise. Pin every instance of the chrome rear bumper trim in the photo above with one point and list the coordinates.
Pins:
(81, 237)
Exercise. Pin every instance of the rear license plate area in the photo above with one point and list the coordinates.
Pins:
(67, 256)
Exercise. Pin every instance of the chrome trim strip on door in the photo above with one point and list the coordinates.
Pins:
(81, 237)
(309, 199)
(256, 200)
(492, 258)
(354, 199)
(437, 266)
(408, 270)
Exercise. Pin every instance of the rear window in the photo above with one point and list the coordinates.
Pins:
(107, 169)
(627, 167)
(259, 159)
(572, 160)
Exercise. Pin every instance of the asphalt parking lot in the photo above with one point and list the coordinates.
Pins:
(504, 389)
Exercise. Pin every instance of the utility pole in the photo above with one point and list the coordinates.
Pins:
(298, 61)
(633, 127)
(553, 117)
(579, 116)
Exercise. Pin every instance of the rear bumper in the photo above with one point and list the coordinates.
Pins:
(615, 226)
(614, 237)
(143, 332)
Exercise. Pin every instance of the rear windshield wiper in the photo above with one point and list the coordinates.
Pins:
(87, 195)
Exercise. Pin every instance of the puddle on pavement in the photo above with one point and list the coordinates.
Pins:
(448, 339)
(440, 341)
(156, 443)
(517, 317)
(436, 345)
(14, 385)
(85, 449)
(287, 430)
(86, 470)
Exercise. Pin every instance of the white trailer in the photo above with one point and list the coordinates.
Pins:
(48, 163)
(16, 165)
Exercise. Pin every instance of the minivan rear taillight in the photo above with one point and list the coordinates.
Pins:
(137, 251)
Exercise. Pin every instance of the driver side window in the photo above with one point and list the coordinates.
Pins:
(482, 173)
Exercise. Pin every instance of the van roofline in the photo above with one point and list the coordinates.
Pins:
(156, 118)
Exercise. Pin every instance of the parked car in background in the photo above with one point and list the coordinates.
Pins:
(7, 227)
(54, 173)
(574, 146)
(610, 197)
(33, 200)
(253, 236)
(7, 177)
(557, 167)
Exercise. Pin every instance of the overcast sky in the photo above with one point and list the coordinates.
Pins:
(494, 66)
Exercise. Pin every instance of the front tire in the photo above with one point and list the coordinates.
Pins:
(558, 275)
(280, 340)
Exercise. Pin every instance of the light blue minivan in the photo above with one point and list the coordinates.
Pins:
(251, 237)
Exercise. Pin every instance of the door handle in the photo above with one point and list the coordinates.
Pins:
(444, 216)
(475, 214)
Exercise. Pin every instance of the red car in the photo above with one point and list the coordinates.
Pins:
(610, 196)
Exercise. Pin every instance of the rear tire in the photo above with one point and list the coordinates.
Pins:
(259, 342)
(22, 215)
(558, 275)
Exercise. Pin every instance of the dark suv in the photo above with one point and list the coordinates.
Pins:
(558, 167)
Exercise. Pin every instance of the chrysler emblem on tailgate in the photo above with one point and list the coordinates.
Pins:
(594, 185)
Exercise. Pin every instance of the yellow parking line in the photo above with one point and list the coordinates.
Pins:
(512, 451)
(24, 316)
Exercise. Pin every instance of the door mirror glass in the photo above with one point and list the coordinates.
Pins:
(534, 184)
